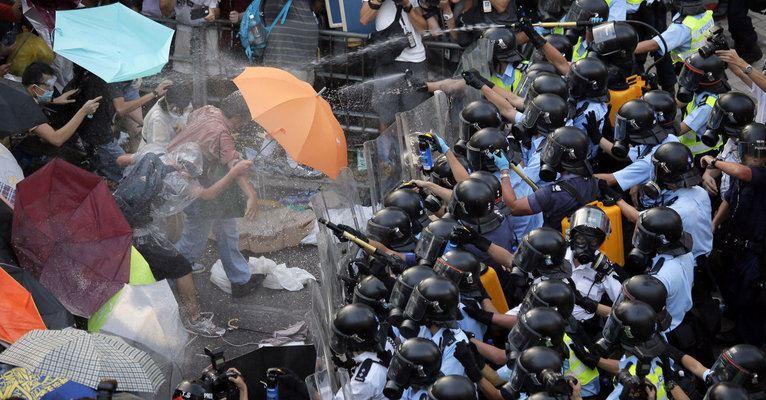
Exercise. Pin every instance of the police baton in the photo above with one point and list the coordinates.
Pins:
(523, 176)
(394, 261)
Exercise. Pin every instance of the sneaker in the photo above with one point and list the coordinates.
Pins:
(243, 289)
(198, 268)
(205, 327)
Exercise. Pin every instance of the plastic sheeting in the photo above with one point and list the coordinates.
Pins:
(278, 276)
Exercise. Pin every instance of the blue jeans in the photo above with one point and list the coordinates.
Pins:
(105, 160)
(194, 238)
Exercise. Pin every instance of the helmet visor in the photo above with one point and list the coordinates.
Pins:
(416, 306)
(522, 337)
(519, 376)
(612, 328)
(527, 258)
(467, 129)
(430, 246)
(690, 78)
(643, 240)
(360, 297)
(399, 370)
(716, 117)
(605, 39)
(477, 159)
(576, 13)
(752, 149)
(591, 218)
(382, 233)
(553, 152)
(622, 126)
(526, 81)
(462, 279)
(400, 294)
(725, 370)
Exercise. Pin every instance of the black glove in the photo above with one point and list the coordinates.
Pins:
(474, 311)
(674, 353)
(608, 130)
(465, 235)
(464, 354)
(592, 127)
(590, 359)
(586, 303)
(534, 37)
(473, 79)
(346, 228)
(608, 192)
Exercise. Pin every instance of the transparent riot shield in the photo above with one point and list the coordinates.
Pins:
(427, 117)
(479, 57)
(321, 383)
(384, 168)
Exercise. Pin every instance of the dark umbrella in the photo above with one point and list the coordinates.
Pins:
(69, 234)
(18, 111)
(54, 315)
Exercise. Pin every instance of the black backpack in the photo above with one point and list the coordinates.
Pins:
(135, 192)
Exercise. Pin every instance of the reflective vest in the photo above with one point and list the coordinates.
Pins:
(690, 138)
(516, 79)
(584, 374)
(699, 28)
(635, 1)
(656, 378)
(576, 56)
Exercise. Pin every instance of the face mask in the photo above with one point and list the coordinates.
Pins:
(46, 96)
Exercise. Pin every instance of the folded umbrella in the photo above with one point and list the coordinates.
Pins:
(113, 42)
(85, 358)
(294, 115)
(18, 111)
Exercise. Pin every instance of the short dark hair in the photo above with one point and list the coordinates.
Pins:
(179, 95)
(33, 74)
(234, 104)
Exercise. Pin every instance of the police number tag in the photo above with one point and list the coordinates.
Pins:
(411, 40)
(487, 5)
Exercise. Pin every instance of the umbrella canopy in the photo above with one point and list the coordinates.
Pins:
(293, 114)
(53, 313)
(18, 382)
(18, 111)
(69, 233)
(85, 358)
(113, 42)
(18, 314)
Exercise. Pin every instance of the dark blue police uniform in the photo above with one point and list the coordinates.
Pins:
(556, 202)
(504, 237)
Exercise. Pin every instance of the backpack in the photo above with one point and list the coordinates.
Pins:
(135, 192)
(254, 39)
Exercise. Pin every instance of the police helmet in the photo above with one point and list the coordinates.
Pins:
(192, 390)
(434, 301)
(553, 293)
(587, 79)
(462, 268)
(752, 141)
(406, 282)
(482, 145)
(392, 227)
(416, 362)
(530, 365)
(354, 328)
(536, 68)
(478, 115)
(584, 10)
(561, 43)
(503, 45)
(541, 252)
(434, 239)
(565, 150)
(472, 203)
(659, 230)
(456, 387)
(701, 74)
(726, 391)
(540, 326)
(411, 202)
(441, 173)
(547, 83)
(615, 41)
(494, 184)
(743, 364)
(372, 292)
(665, 106)
(651, 291)
(589, 226)
(634, 325)
(637, 123)
(674, 167)
(545, 113)
(731, 112)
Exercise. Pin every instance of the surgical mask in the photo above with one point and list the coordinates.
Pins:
(46, 96)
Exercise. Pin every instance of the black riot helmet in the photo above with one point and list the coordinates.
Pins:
(547, 83)
(565, 150)
(411, 202)
(441, 173)
(192, 390)
(700, 74)
(472, 203)
(354, 328)
(659, 230)
(392, 227)
(406, 282)
(637, 123)
(726, 391)
(743, 364)
(541, 253)
(455, 387)
(540, 326)
(650, 290)
(478, 115)
(665, 106)
(673, 169)
(615, 42)
(752, 141)
(434, 301)
(491, 180)
(544, 114)
(559, 42)
(633, 324)
(435, 240)
(688, 7)
(462, 268)
(550, 10)
(503, 45)
(587, 79)
(553, 293)
(584, 10)
(482, 145)
(372, 292)
(531, 366)
(416, 362)
(589, 226)
(536, 68)
(731, 112)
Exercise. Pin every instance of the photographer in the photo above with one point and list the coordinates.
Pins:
(239, 382)
(753, 78)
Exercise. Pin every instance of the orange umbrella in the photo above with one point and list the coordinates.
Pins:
(296, 116)
(18, 313)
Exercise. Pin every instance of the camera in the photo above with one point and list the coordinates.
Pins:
(106, 389)
(217, 378)
(632, 386)
(717, 41)
(555, 383)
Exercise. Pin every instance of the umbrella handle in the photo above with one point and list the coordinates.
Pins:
(322, 90)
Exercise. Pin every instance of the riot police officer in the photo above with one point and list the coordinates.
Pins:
(475, 116)
(391, 228)
(192, 390)
(494, 183)
(435, 240)
(541, 254)
(661, 246)
(581, 11)
(455, 387)
(402, 289)
(411, 202)
(373, 292)
(614, 43)
(743, 365)
(743, 208)
(538, 369)
(665, 108)
(588, 81)
(637, 135)
(565, 153)
(414, 367)
(650, 290)
(358, 339)
(726, 391)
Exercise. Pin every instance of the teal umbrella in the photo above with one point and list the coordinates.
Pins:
(113, 42)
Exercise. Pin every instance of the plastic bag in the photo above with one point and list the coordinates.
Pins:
(29, 48)
(278, 276)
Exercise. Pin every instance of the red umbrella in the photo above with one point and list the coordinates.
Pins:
(70, 235)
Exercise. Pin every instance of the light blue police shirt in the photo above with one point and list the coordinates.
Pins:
(450, 364)
(678, 36)
(600, 109)
(697, 119)
(640, 170)
(618, 10)
(677, 274)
